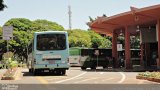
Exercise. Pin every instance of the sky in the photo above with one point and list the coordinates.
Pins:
(57, 10)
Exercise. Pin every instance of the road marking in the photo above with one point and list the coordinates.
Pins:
(86, 80)
(51, 81)
(43, 81)
(107, 79)
(123, 77)
(71, 78)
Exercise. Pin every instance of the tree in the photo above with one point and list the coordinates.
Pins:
(2, 5)
(23, 33)
(134, 41)
(98, 40)
(79, 38)
(44, 25)
(90, 39)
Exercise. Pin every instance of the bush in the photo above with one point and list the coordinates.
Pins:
(150, 74)
(10, 63)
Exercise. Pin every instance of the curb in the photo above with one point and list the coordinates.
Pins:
(18, 74)
(1, 75)
(14, 77)
(149, 79)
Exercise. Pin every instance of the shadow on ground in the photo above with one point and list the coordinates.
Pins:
(25, 74)
(135, 69)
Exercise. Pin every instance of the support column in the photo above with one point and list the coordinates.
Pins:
(142, 54)
(127, 49)
(114, 49)
(147, 55)
(158, 28)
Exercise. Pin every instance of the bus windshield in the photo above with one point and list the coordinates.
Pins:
(51, 42)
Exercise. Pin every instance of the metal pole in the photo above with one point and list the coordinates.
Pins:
(27, 49)
(97, 60)
(27, 53)
(7, 50)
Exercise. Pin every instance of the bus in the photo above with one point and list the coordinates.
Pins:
(95, 57)
(49, 52)
(135, 57)
(74, 56)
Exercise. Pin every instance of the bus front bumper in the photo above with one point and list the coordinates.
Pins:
(51, 66)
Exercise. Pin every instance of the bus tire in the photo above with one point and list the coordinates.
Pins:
(63, 72)
(104, 67)
(93, 68)
(83, 68)
(58, 72)
(30, 70)
(35, 72)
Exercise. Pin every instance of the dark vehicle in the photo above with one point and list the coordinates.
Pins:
(92, 58)
(135, 57)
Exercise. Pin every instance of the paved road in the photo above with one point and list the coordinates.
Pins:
(78, 78)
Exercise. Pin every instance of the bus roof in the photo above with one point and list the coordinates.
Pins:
(42, 32)
(87, 48)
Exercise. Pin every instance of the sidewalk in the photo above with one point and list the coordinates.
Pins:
(2, 71)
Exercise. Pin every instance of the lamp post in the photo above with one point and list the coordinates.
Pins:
(27, 48)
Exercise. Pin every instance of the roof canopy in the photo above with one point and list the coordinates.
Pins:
(143, 17)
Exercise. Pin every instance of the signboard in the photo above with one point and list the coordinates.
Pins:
(7, 32)
(96, 52)
(119, 47)
(6, 38)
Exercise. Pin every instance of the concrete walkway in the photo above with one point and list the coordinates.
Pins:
(2, 71)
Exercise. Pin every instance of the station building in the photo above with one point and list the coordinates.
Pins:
(144, 22)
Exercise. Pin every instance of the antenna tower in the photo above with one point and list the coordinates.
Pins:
(69, 13)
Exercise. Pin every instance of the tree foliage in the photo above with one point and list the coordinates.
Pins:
(2, 5)
(90, 39)
(98, 40)
(79, 38)
(23, 33)
(24, 29)
(134, 41)
(44, 25)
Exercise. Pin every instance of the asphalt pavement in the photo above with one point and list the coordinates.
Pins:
(76, 79)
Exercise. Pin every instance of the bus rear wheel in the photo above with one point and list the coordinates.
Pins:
(93, 68)
(30, 70)
(36, 72)
(63, 72)
(60, 72)
(83, 68)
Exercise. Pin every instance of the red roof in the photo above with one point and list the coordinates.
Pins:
(143, 16)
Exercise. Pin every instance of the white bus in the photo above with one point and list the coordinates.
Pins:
(49, 52)
(74, 56)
